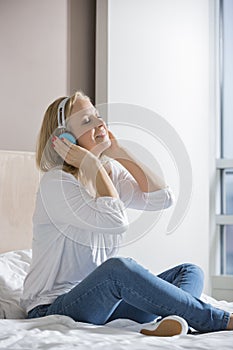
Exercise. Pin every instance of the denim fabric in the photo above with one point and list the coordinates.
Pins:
(121, 288)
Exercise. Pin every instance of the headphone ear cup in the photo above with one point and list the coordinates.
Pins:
(68, 136)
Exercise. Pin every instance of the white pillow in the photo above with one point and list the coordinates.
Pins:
(14, 267)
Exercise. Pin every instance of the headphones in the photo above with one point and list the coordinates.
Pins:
(61, 122)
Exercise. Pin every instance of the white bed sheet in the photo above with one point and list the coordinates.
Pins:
(61, 332)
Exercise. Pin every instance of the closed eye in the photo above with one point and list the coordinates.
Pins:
(86, 120)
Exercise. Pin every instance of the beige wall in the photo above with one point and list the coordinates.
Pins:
(81, 50)
(47, 50)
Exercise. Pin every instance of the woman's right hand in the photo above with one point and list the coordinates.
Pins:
(90, 165)
(71, 153)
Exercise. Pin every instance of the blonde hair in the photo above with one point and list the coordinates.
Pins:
(46, 157)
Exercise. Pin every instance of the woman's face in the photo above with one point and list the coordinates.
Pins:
(88, 127)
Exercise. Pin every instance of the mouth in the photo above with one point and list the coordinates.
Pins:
(100, 135)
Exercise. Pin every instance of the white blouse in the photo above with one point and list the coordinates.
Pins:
(73, 232)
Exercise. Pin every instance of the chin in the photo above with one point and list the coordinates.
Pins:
(107, 143)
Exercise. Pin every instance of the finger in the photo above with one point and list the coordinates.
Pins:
(61, 148)
(67, 142)
(72, 149)
(62, 153)
(110, 134)
(59, 152)
(67, 150)
(60, 144)
(113, 137)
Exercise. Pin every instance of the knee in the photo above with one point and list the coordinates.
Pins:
(118, 263)
(194, 270)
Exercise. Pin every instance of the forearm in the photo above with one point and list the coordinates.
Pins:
(146, 179)
(99, 178)
(104, 185)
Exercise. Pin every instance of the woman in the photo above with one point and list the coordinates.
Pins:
(79, 221)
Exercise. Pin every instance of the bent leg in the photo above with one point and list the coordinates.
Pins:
(95, 299)
(188, 277)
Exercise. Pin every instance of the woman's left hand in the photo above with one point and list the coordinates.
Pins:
(114, 150)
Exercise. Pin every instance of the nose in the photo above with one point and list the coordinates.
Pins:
(98, 122)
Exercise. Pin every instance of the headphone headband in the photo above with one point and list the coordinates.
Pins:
(61, 113)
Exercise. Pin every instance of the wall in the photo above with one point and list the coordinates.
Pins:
(47, 51)
(158, 59)
(81, 46)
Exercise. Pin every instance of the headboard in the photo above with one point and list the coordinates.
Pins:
(19, 179)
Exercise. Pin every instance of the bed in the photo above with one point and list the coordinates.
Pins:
(19, 180)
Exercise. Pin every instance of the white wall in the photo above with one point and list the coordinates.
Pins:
(158, 58)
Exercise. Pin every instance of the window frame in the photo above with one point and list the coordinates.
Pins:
(222, 163)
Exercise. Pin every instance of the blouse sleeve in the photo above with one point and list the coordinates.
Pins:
(66, 201)
(132, 196)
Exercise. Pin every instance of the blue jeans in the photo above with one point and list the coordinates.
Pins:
(121, 288)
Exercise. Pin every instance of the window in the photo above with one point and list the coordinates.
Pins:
(225, 163)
